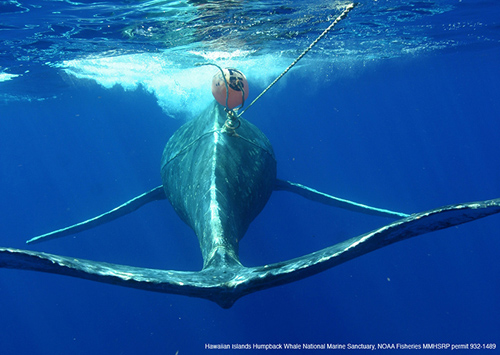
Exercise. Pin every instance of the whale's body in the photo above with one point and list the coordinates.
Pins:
(218, 179)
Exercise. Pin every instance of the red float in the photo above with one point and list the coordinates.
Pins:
(238, 88)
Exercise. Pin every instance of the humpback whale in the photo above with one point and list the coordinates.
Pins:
(218, 172)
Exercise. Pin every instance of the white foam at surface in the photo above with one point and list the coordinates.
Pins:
(181, 88)
(7, 77)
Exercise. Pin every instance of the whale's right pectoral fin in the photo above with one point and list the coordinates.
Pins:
(315, 195)
(267, 276)
(125, 208)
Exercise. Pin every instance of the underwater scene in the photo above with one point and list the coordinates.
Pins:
(396, 106)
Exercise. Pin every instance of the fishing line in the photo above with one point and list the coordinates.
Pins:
(337, 20)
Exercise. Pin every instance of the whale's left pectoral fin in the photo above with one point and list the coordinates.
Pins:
(330, 200)
(188, 283)
(125, 208)
(411, 226)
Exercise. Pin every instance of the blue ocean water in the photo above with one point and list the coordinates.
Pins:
(398, 107)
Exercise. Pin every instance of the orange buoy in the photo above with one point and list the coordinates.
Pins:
(238, 88)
